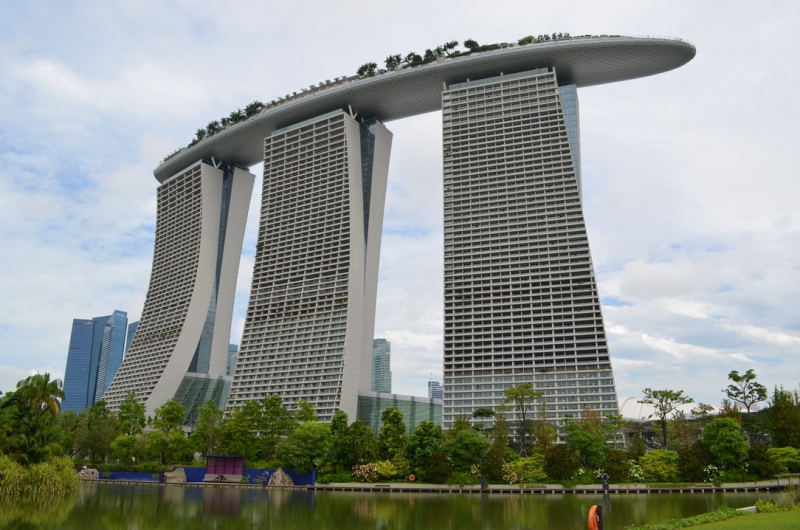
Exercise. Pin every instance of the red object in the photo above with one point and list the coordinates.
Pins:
(594, 518)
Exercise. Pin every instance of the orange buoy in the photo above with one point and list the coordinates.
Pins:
(594, 518)
(411, 478)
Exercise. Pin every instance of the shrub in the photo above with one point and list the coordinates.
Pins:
(530, 469)
(786, 459)
(56, 477)
(660, 465)
(759, 461)
(386, 469)
(693, 462)
(437, 467)
(327, 478)
(365, 472)
(462, 479)
(560, 463)
(617, 467)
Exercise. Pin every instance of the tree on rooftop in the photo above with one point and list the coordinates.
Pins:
(747, 391)
(665, 402)
(367, 69)
(393, 61)
(471, 45)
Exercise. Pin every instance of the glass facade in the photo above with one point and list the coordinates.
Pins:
(414, 409)
(131, 332)
(95, 354)
(196, 389)
(569, 106)
(381, 366)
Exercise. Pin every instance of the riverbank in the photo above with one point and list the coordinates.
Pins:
(52, 478)
(757, 521)
(543, 489)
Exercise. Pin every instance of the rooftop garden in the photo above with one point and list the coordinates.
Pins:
(448, 50)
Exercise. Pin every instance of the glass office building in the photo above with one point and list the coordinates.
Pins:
(95, 354)
(381, 366)
(415, 410)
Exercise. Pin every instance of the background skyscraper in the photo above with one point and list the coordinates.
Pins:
(94, 356)
(435, 390)
(381, 366)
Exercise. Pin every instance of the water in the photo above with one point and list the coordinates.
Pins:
(110, 506)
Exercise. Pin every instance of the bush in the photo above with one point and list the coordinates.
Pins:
(760, 463)
(327, 478)
(530, 470)
(437, 467)
(560, 463)
(365, 472)
(693, 462)
(728, 443)
(617, 465)
(386, 470)
(786, 459)
(56, 477)
(462, 479)
(660, 465)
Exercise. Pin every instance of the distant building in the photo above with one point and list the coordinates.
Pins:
(415, 409)
(381, 372)
(131, 331)
(233, 356)
(435, 390)
(95, 353)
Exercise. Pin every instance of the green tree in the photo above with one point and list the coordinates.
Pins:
(127, 447)
(169, 416)
(586, 438)
(100, 429)
(392, 435)
(427, 439)
(496, 456)
(523, 398)
(728, 443)
(560, 462)
(69, 424)
(461, 423)
(466, 448)
(787, 459)
(305, 447)
(747, 391)
(350, 444)
(482, 414)
(238, 433)
(131, 415)
(206, 432)
(693, 460)
(784, 419)
(665, 402)
(40, 393)
(305, 411)
(274, 423)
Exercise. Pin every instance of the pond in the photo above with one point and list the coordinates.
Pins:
(113, 506)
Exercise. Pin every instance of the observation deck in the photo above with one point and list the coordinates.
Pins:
(402, 93)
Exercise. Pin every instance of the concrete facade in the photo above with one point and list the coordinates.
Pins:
(199, 232)
(311, 316)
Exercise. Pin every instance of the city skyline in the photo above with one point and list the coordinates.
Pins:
(698, 284)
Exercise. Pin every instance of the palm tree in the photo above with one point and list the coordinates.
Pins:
(40, 394)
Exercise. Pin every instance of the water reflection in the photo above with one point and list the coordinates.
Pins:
(108, 506)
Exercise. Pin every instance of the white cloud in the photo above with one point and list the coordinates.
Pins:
(690, 188)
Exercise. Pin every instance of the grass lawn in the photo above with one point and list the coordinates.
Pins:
(756, 521)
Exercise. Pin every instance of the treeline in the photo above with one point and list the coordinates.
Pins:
(515, 444)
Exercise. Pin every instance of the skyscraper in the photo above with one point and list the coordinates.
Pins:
(183, 334)
(311, 317)
(95, 353)
(521, 303)
(381, 366)
(435, 390)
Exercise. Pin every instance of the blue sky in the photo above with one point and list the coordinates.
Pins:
(690, 178)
